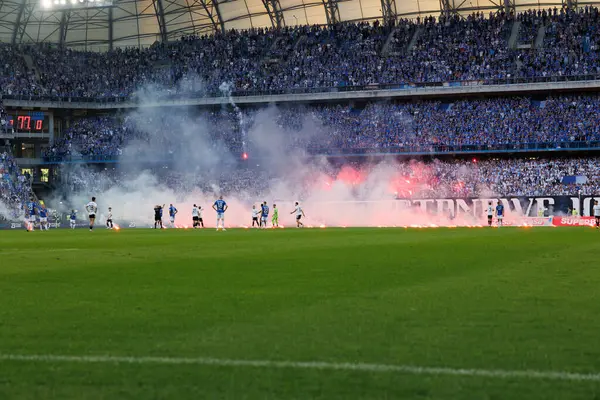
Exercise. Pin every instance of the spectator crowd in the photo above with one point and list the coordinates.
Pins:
(445, 49)
(498, 177)
(423, 127)
(15, 188)
(408, 179)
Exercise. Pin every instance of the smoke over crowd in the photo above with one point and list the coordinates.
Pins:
(178, 156)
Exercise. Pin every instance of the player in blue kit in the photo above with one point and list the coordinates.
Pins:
(264, 214)
(73, 219)
(30, 208)
(220, 207)
(172, 213)
(43, 218)
(499, 213)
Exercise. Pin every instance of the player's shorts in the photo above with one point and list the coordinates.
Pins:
(92, 216)
(200, 219)
(597, 218)
(264, 219)
(109, 221)
(254, 219)
(298, 217)
(500, 217)
(172, 218)
(31, 218)
(274, 221)
(44, 220)
(157, 217)
(220, 215)
(195, 219)
(490, 217)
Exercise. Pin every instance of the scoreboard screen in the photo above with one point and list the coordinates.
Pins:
(29, 122)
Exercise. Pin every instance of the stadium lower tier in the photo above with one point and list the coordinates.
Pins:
(386, 193)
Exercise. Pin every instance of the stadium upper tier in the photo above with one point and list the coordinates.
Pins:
(107, 24)
(548, 43)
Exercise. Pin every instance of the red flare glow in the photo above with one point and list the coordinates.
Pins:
(350, 176)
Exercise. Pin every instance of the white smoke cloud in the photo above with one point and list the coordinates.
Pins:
(181, 157)
(5, 211)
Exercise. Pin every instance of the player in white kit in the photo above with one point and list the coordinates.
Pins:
(195, 216)
(92, 208)
(597, 214)
(200, 220)
(490, 213)
(299, 214)
(109, 219)
(255, 214)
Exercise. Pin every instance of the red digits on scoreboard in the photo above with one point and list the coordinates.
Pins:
(38, 125)
(24, 122)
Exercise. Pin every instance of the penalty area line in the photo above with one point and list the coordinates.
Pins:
(309, 365)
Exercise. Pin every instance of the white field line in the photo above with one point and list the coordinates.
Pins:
(315, 365)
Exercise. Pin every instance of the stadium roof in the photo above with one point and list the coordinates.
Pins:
(142, 22)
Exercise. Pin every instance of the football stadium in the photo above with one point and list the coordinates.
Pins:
(285, 199)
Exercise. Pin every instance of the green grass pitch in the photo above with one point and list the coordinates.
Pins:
(478, 299)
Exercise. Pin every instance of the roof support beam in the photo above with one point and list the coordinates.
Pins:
(111, 32)
(208, 6)
(18, 20)
(218, 10)
(332, 11)
(160, 16)
(509, 7)
(388, 10)
(275, 12)
(64, 27)
(447, 8)
(570, 4)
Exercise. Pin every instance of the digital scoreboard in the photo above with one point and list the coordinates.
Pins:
(29, 122)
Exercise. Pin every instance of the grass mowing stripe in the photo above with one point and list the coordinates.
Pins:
(318, 365)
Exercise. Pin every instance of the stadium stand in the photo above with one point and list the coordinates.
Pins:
(493, 124)
(437, 179)
(426, 50)
(15, 188)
